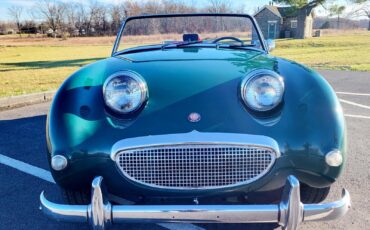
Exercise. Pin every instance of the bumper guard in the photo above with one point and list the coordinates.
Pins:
(289, 213)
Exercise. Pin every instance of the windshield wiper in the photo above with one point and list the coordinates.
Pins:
(233, 46)
(138, 49)
(180, 44)
(225, 45)
(155, 47)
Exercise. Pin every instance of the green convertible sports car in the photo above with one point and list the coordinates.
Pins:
(192, 120)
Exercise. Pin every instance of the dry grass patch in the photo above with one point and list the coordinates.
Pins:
(38, 40)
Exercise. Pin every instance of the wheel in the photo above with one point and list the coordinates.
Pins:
(77, 197)
(311, 195)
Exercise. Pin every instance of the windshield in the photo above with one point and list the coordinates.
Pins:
(172, 31)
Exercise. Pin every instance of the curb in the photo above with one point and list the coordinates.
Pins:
(24, 100)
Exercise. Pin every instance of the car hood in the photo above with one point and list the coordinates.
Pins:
(189, 54)
(174, 76)
(179, 82)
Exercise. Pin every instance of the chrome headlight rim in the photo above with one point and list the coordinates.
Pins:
(252, 76)
(143, 88)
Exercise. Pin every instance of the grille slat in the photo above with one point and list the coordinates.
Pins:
(201, 166)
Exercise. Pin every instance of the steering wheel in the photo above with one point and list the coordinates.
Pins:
(228, 38)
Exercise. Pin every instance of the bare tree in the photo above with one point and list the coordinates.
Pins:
(178, 6)
(132, 8)
(336, 10)
(361, 9)
(53, 13)
(219, 6)
(99, 20)
(16, 12)
(302, 3)
(81, 18)
(116, 13)
(90, 17)
(71, 17)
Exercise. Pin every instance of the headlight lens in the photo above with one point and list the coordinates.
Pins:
(125, 92)
(262, 90)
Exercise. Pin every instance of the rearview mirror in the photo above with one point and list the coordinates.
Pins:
(270, 44)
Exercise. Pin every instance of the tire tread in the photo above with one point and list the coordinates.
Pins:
(311, 195)
(77, 197)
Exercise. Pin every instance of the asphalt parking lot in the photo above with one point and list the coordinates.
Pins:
(24, 170)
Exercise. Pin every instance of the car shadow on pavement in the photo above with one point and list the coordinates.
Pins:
(24, 139)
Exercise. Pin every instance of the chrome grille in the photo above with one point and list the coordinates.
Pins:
(198, 166)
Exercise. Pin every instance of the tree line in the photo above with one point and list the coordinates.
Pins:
(98, 19)
(94, 18)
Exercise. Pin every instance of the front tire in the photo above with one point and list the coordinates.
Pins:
(311, 195)
(77, 197)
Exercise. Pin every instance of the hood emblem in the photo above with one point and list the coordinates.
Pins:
(194, 117)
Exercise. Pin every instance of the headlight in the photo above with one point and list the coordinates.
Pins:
(262, 90)
(125, 92)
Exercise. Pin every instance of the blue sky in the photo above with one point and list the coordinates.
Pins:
(250, 5)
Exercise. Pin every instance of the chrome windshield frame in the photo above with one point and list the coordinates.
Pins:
(253, 21)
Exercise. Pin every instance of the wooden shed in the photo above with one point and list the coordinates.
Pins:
(285, 22)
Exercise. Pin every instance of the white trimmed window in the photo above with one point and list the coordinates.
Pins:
(293, 24)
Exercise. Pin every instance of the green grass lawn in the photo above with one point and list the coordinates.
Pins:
(345, 52)
(36, 68)
(31, 69)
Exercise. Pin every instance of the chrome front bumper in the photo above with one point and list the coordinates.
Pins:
(289, 213)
